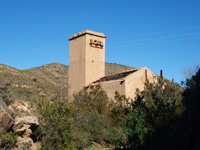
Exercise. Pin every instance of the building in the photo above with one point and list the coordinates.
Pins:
(87, 67)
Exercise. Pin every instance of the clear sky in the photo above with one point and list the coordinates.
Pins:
(159, 34)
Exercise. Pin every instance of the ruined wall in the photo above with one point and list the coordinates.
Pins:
(87, 65)
(112, 86)
(137, 80)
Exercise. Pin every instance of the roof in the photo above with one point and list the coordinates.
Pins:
(118, 76)
(87, 32)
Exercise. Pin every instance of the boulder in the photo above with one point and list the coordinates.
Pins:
(6, 121)
(24, 127)
(26, 143)
(25, 131)
(95, 144)
(28, 122)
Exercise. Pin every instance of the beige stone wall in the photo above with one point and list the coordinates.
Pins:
(86, 61)
(137, 80)
(87, 64)
(76, 78)
(112, 86)
(95, 60)
(130, 84)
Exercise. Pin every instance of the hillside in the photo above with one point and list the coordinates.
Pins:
(20, 85)
(54, 73)
(112, 69)
(47, 81)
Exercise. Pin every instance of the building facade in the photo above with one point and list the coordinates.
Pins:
(87, 67)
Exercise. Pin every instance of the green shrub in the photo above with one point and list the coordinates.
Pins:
(93, 118)
(98, 129)
(8, 140)
(93, 99)
(56, 125)
(118, 108)
(152, 115)
(5, 95)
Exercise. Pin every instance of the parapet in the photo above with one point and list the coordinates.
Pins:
(87, 32)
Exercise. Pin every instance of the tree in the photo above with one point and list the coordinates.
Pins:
(186, 134)
(93, 99)
(92, 118)
(191, 95)
(153, 115)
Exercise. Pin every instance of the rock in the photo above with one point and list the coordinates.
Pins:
(24, 131)
(21, 122)
(95, 144)
(20, 106)
(26, 143)
(24, 127)
(6, 121)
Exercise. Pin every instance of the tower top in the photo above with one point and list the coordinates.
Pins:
(87, 32)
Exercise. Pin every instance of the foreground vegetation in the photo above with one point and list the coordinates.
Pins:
(143, 123)
(162, 116)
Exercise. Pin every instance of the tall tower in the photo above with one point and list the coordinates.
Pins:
(86, 60)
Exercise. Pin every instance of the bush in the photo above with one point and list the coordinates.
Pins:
(56, 125)
(93, 99)
(5, 95)
(92, 118)
(98, 129)
(118, 108)
(8, 140)
(78, 124)
(152, 115)
(186, 133)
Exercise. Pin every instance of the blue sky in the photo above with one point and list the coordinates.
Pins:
(154, 33)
